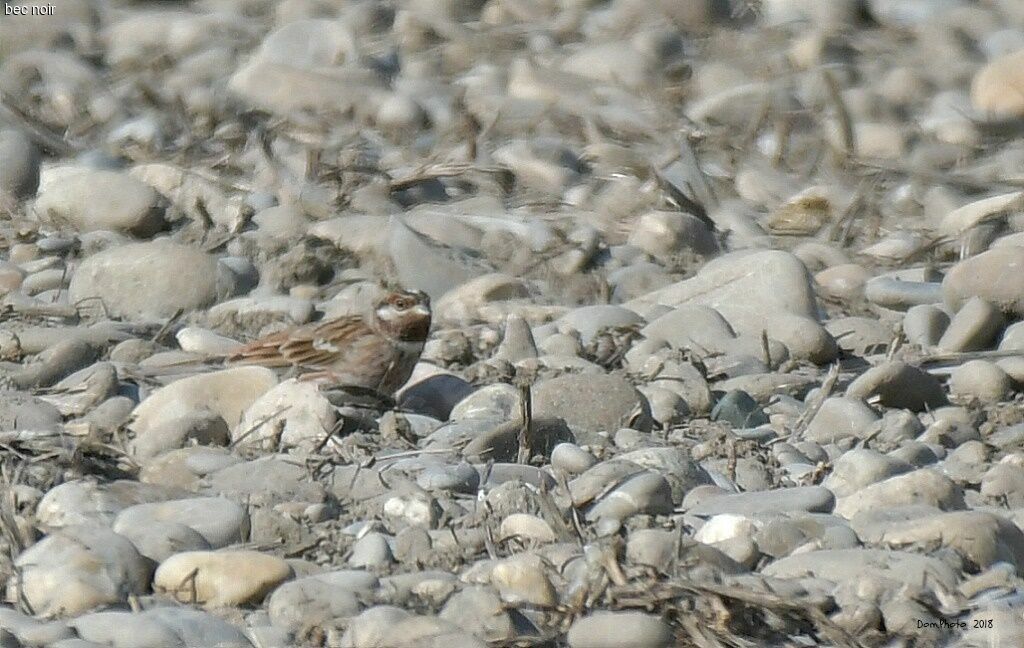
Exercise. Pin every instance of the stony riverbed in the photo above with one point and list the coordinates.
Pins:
(728, 340)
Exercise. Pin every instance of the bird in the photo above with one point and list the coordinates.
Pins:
(375, 351)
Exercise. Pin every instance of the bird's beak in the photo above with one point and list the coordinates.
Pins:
(422, 309)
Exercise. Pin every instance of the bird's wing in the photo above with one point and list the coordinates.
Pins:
(266, 351)
(322, 345)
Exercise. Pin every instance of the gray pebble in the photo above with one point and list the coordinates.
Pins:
(974, 327)
(924, 324)
(19, 176)
(898, 384)
(619, 630)
(981, 380)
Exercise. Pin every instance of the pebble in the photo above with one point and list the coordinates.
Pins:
(471, 300)
(996, 88)
(219, 521)
(267, 480)
(517, 342)
(19, 410)
(571, 458)
(647, 492)
(739, 410)
(591, 403)
(412, 252)
(802, 498)
(898, 384)
(81, 199)
(849, 565)
(312, 601)
(738, 286)
(962, 219)
(499, 401)
(841, 417)
(227, 393)
(150, 280)
(371, 626)
(526, 526)
(862, 467)
(589, 320)
(981, 380)
(923, 486)
(662, 234)
(925, 324)
(897, 294)
(202, 427)
(619, 630)
(988, 275)
(983, 539)
(480, 611)
(523, 580)
(372, 550)
(79, 568)
(82, 502)
(161, 626)
(974, 327)
(20, 175)
(291, 414)
(220, 578)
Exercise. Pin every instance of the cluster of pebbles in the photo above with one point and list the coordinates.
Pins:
(728, 342)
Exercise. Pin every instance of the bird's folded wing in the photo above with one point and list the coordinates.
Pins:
(319, 346)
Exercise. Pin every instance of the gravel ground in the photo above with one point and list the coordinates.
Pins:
(727, 342)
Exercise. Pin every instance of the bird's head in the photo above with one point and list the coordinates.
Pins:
(404, 314)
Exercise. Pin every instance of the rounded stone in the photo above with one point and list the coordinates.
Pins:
(201, 426)
(218, 520)
(571, 458)
(996, 276)
(811, 499)
(975, 327)
(589, 320)
(499, 401)
(480, 611)
(19, 174)
(591, 403)
(226, 393)
(527, 527)
(898, 384)
(922, 486)
(159, 626)
(523, 580)
(220, 578)
(647, 492)
(291, 414)
(998, 88)
(663, 234)
(924, 324)
(153, 280)
(372, 550)
(844, 281)
(981, 380)
(619, 630)
(315, 600)
(862, 467)
(94, 200)
(80, 568)
(740, 410)
(89, 502)
(372, 626)
(840, 417)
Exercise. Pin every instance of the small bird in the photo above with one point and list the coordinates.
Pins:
(375, 352)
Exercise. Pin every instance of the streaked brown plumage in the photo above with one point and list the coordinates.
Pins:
(376, 352)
